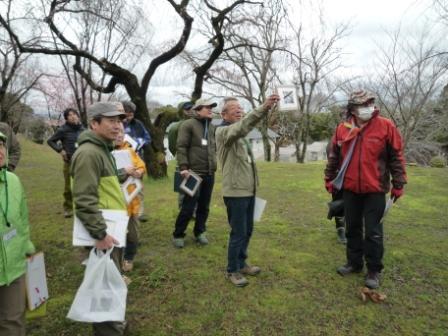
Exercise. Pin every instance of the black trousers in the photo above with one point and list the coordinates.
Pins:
(202, 200)
(363, 213)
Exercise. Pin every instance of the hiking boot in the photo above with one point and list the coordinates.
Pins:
(372, 280)
(341, 235)
(68, 214)
(250, 270)
(348, 269)
(143, 218)
(202, 239)
(127, 266)
(178, 242)
(237, 279)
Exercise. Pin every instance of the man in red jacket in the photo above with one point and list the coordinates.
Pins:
(365, 151)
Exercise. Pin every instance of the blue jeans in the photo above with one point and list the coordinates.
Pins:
(240, 214)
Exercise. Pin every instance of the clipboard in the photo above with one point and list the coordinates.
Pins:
(36, 281)
(122, 158)
(138, 187)
(117, 227)
(259, 206)
(388, 206)
(190, 185)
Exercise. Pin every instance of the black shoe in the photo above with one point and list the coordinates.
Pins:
(341, 235)
(372, 280)
(348, 269)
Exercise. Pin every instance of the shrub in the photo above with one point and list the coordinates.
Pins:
(438, 162)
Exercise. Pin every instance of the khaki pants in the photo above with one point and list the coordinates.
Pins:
(12, 308)
(68, 200)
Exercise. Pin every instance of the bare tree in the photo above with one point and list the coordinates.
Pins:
(18, 74)
(63, 10)
(115, 74)
(408, 80)
(316, 57)
(246, 68)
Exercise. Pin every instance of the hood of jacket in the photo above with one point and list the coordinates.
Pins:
(92, 137)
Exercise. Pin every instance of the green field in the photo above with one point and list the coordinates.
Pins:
(184, 292)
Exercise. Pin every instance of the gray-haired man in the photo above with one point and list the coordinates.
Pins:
(239, 182)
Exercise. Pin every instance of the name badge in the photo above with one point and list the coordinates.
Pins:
(204, 142)
(249, 159)
(9, 235)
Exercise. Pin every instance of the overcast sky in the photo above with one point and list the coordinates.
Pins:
(369, 21)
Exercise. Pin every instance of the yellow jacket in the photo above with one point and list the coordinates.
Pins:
(134, 206)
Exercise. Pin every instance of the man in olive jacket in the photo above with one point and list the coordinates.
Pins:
(239, 182)
(196, 152)
(96, 185)
(15, 244)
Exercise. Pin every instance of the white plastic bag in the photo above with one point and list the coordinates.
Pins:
(102, 294)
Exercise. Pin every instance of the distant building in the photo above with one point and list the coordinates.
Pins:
(316, 151)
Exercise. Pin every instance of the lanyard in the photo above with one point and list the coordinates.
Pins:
(5, 211)
(205, 130)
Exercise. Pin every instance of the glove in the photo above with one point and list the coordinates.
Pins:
(396, 193)
(329, 186)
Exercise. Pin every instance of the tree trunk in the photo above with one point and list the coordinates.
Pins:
(276, 151)
(264, 135)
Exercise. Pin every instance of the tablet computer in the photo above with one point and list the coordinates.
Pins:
(190, 185)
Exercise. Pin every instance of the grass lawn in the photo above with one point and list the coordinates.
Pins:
(184, 292)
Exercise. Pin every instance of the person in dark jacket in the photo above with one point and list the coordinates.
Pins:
(135, 128)
(63, 141)
(373, 149)
(196, 152)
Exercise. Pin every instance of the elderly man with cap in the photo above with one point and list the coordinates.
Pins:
(96, 185)
(15, 245)
(239, 182)
(365, 151)
(196, 152)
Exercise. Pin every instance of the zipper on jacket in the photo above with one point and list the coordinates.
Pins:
(5, 260)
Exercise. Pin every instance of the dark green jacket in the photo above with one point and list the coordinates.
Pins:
(191, 152)
(15, 241)
(95, 183)
(172, 136)
(239, 173)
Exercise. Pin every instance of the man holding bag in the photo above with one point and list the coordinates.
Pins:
(96, 185)
(15, 244)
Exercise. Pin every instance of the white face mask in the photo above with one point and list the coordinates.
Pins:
(365, 113)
